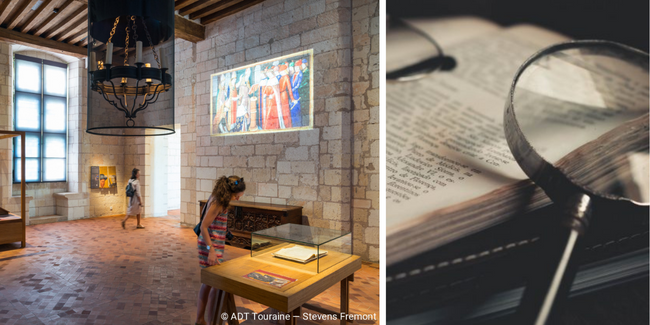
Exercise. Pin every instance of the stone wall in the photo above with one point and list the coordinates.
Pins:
(320, 169)
(365, 119)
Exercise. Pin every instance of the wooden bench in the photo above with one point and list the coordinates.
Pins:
(12, 227)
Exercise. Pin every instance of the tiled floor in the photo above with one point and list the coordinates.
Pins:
(94, 272)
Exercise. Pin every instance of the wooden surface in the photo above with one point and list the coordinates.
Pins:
(42, 43)
(11, 230)
(188, 30)
(229, 277)
(229, 11)
(246, 217)
(257, 205)
(331, 259)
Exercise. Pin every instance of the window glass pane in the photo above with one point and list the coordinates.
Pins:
(55, 81)
(32, 146)
(28, 112)
(54, 146)
(55, 114)
(28, 76)
(32, 170)
(54, 170)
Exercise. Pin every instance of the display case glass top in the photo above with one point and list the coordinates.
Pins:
(300, 247)
(302, 234)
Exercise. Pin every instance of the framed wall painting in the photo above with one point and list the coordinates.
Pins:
(103, 177)
(275, 95)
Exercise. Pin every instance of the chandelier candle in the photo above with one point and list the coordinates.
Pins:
(109, 53)
(138, 52)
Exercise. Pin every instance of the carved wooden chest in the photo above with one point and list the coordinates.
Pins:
(246, 217)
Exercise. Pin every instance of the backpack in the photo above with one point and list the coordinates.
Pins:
(129, 190)
(197, 228)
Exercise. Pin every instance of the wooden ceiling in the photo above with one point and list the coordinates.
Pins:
(210, 11)
(61, 25)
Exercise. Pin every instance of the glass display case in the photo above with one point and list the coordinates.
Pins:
(298, 246)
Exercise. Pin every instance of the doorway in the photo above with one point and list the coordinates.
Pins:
(166, 176)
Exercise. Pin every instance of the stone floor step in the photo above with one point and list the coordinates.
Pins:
(46, 219)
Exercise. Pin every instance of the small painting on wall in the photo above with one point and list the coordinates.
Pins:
(103, 177)
(269, 96)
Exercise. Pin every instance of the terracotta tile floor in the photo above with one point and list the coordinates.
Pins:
(94, 272)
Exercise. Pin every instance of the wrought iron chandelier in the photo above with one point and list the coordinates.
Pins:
(137, 97)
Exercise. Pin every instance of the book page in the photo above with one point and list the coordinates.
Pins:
(402, 52)
(444, 134)
(464, 28)
(298, 253)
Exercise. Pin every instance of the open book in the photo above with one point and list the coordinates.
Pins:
(440, 185)
(299, 253)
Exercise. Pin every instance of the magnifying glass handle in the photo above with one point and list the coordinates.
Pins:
(555, 271)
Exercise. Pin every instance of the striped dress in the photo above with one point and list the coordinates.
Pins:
(217, 231)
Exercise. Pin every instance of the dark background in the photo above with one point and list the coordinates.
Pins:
(623, 21)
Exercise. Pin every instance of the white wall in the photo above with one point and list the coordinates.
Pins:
(166, 175)
(174, 170)
(159, 176)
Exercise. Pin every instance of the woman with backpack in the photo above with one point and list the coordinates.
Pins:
(212, 235)
(135, 202)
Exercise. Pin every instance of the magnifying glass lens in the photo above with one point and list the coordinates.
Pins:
(406, 47)
(585, 111)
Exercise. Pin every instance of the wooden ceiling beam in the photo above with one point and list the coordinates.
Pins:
(198, 5)
(46, 7)
(20, 12)
(50, 20)
(80, 13)
(83, 42)
(72, 29)
(221, 5)
(4, 5)
(6, 8)
(180, 4)
(41, 43)
(188, 30)
(229, 11)
(76, 38)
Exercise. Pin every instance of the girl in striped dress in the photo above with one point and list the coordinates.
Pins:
(214, 227)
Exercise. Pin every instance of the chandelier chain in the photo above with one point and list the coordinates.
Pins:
(126, 44)
(117, 20)
(135, 29)
(155, 55)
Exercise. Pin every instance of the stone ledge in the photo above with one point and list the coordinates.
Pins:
(71, 205)
(70, 195)
(47, 219)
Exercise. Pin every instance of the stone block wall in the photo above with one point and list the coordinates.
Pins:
(365, 121)
(316, 169)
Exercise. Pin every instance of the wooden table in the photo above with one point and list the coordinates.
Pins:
(229, 277)
(246, 217)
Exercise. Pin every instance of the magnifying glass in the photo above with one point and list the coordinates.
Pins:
(412, 54)
(573, 108)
